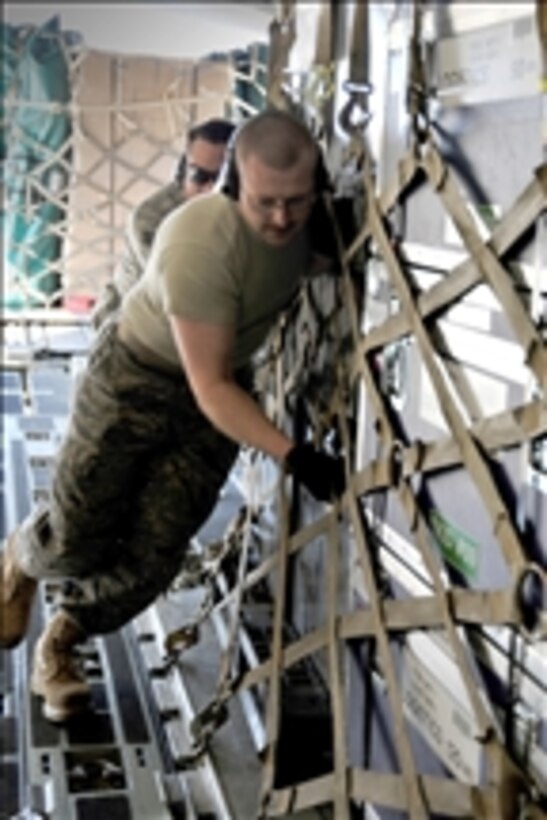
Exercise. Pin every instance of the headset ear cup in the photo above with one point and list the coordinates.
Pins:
(229, 175)
(229, 184)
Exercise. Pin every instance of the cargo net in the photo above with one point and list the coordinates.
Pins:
(320, 594)
(89, 135)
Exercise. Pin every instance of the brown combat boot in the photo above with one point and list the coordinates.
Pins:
(57, 674)
(17, 592)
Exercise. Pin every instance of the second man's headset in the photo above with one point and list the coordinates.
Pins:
(180, 173)
(217, 131)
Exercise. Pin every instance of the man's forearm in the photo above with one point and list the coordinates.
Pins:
(239, 417)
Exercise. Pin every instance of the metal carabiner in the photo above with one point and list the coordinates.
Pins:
(358, 98)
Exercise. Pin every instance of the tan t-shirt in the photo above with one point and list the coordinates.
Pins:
(206, 264)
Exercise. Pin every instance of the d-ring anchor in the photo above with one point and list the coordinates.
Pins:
(530, 596)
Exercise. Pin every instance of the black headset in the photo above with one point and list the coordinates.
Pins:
(319, 223)
(229, 182)
(180, 173)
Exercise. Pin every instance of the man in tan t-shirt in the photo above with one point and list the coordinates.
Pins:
(164, 405)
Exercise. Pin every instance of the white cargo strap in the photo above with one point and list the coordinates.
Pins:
(282, 37)
(471, 455)
(273, 707)
(466, 276)
(416, 805)
(513, 549)
(444, 609)
(379, 236)
(419, 526)
(442, 179)
(320, 82)
(443, 796)
(499, 432)
(541, 18)
(336, 667)
(358, 87)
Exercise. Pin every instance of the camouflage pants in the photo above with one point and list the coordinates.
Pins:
(137, 475)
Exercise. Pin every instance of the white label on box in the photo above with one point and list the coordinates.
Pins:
(441, 720)
(498, 62)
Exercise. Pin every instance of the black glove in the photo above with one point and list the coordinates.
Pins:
(320, 473)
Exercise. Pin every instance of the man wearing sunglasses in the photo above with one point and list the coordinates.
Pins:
(164, 403)
(197, 172)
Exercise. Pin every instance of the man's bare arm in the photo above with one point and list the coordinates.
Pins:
(205, 351)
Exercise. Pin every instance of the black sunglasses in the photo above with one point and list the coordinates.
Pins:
(200, 176)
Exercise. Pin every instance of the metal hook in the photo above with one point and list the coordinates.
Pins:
(358, 92)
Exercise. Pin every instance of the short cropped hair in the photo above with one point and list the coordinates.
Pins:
(277, 138)
(215, 130)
